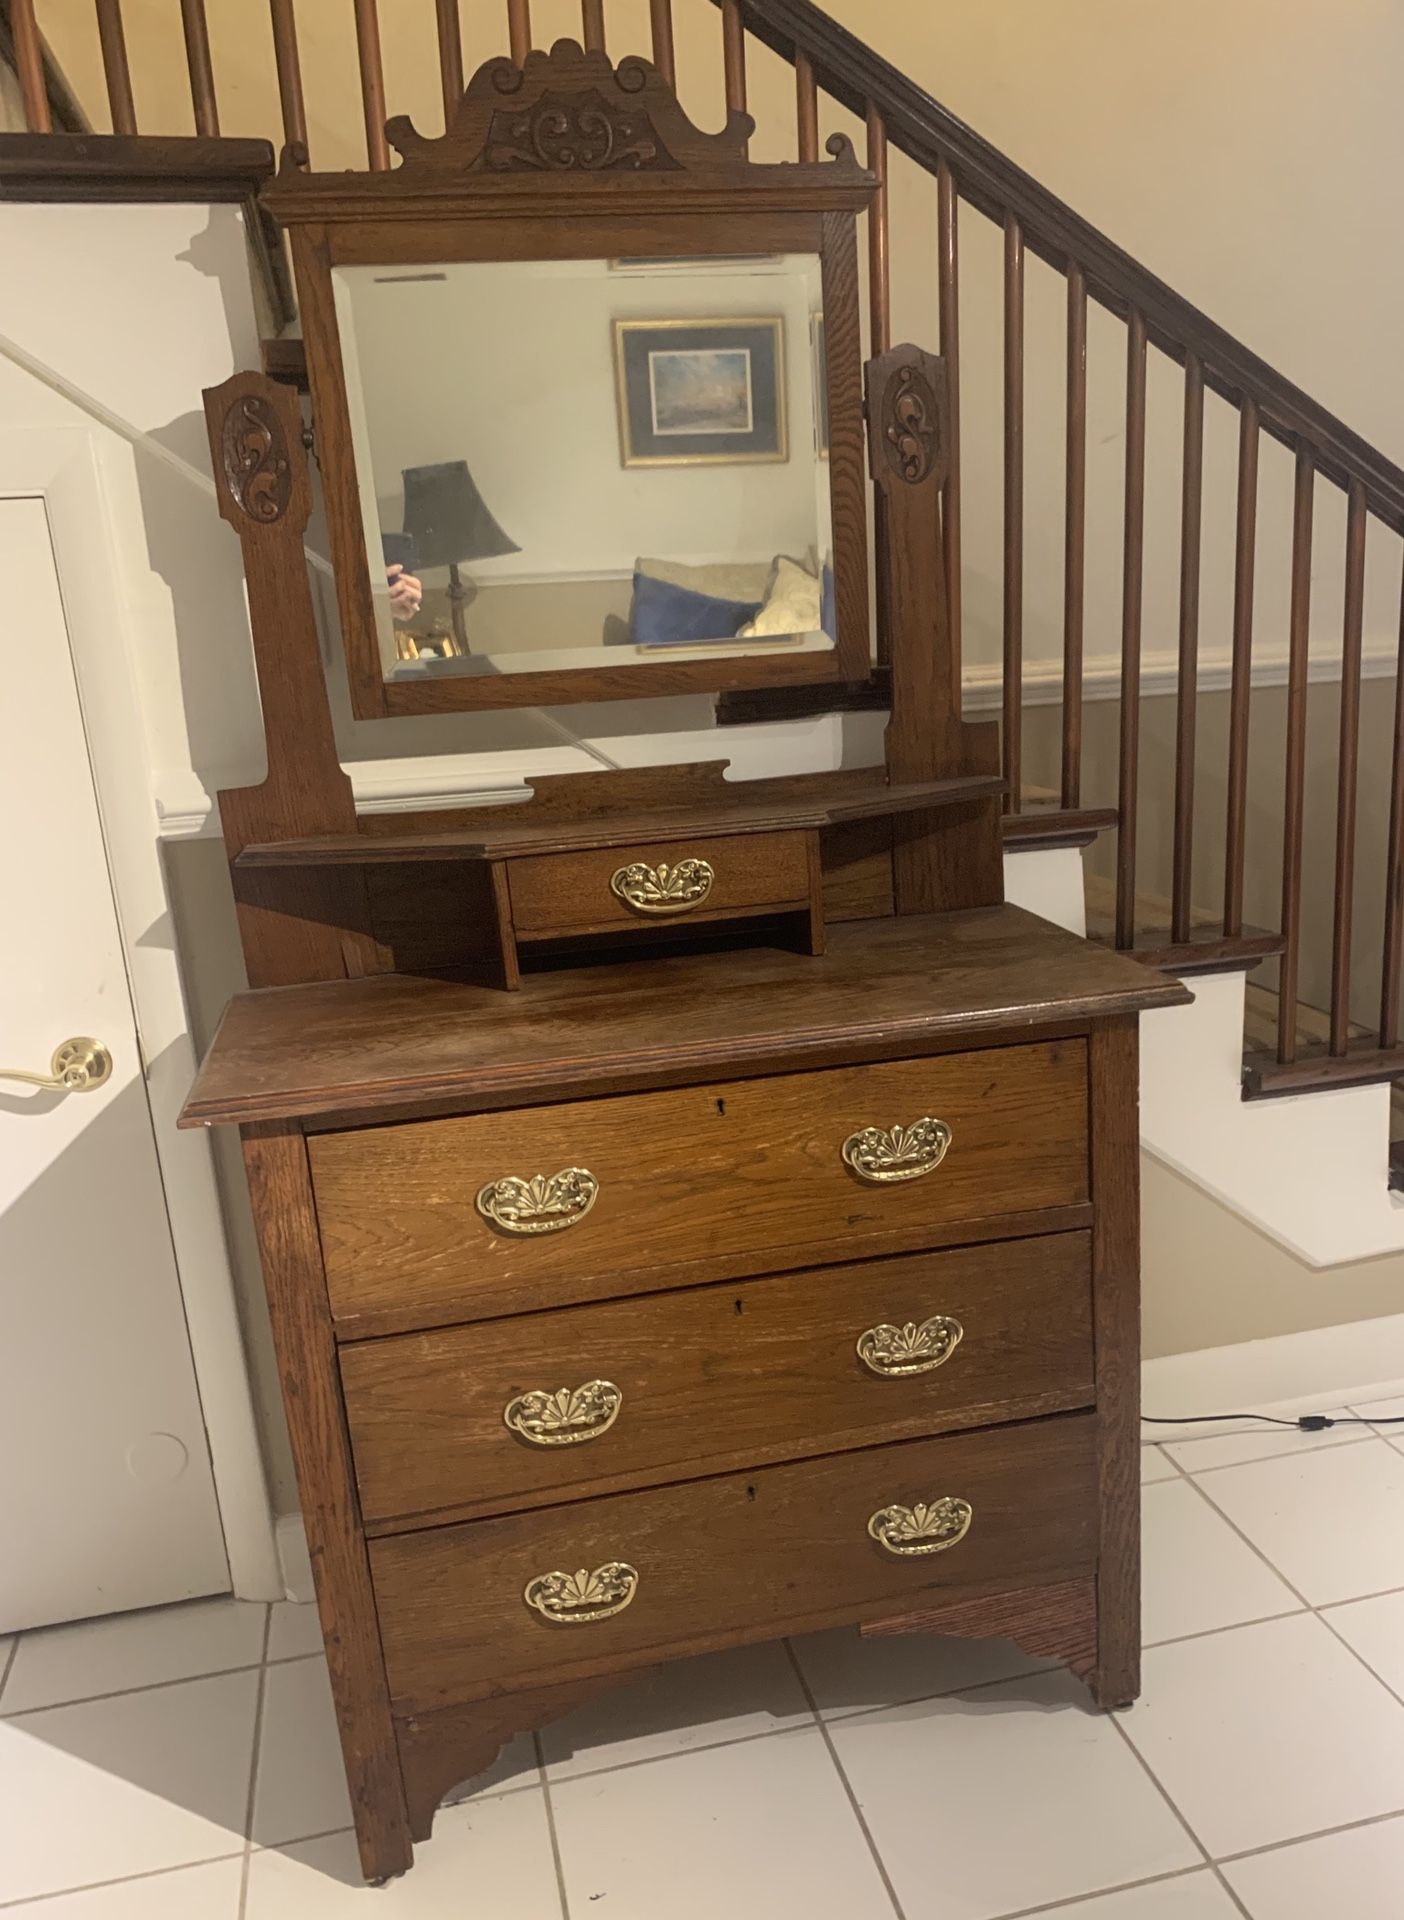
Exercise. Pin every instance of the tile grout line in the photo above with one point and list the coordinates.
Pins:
(844, 1781)
(544, 1780)
(10, 1659)
(1229, 1521)
(260, 1695)
(1258, 1459)
(1392, 1691)
(1056, 1907)
(1166, 1796)
(1321, 1833)
(122, 1880)
(1208, 1633)
(157, 1686)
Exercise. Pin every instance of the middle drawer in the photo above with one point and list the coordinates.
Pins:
(524, 1412)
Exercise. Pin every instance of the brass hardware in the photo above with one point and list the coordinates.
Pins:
(540, 1205)
(896, 1351)
(897, 1153)
(564, 1418)
(663, 889)
(579, 1599)
(928, 1527)
(78, 1066)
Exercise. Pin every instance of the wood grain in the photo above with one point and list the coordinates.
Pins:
(276, 1164)
(570, 893)
(714, 1378)
(736, 1167)
(1116, 1325)
(882, 989)
(1056, 1622)
(741, 1557)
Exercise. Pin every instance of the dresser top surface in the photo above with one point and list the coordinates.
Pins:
(393, 1044)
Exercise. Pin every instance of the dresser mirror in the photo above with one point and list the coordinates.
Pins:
(683, 513)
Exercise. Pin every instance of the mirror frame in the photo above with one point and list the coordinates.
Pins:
(570, 157)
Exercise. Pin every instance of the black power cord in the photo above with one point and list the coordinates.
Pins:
(1304, 1423)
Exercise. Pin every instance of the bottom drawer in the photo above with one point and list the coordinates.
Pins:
(536, 1598)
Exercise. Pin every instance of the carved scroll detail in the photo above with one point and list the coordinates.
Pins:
(583, 134)
(254, 455)
(911, 425)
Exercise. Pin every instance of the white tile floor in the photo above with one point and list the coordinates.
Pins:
(182, 1765)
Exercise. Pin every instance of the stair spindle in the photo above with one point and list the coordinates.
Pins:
(880, 340)
(592, 20)
(660, 13)
(1187, 691)
(201, 70)
(1133, 552)
(450, 56)
(289, 73)
(116, 71)
(1393, 973)
(1298, 633)
(29, 65)
(1348, 767)
(519, 30)
(1241, 672)
(372, 84)
(734, 55)
(807, 107)
(1074, 538)
(1013, 701)
(948, 288)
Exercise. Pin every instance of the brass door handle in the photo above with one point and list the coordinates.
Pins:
(542, 1204)
(892, 1352)
(78, 1066)
(579, 1599)
(564, 1418)
(883, 1155)
(931, 1526)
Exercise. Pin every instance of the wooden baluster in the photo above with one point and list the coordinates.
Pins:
(592, 19)
(1013, 706)
(114, 66)
(1133, 551)
(734, 55)
(660, 13)
(450, 56)
(1074, 537)
(1394, 873)
(29, 64)
(197, 60)
(372, 84)
(1348, 768)
(1241, 675)
(1298, 633)
(1187, 691)
(519, 30)
(289, 73)
(807, 107)
(948, 285)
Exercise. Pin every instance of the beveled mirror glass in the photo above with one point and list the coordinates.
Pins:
(582, 463)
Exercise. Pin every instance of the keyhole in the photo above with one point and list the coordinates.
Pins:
(721, 1108)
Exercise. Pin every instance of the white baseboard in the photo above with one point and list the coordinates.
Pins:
(294, 1558)
(1290, 1373)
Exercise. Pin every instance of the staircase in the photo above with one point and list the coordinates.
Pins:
(1323, 1014)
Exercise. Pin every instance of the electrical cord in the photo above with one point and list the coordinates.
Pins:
(1304, 1423)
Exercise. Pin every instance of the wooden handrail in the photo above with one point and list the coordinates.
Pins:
(927, 133)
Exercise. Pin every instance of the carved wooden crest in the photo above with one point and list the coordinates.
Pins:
(254, 459)
(907, 399)
(569, 111)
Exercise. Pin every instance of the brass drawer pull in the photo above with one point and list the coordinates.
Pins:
(897, 1153)
(663, 889)
(894, 1352)
(579, 1599)
(541, 1204)
(928, 1527)
(564, 1418)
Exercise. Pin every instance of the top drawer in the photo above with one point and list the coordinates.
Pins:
(497, 1213)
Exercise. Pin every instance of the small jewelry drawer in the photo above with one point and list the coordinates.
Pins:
(533, 1599)
(558, 1406)
(440, 1221)
(661, 882)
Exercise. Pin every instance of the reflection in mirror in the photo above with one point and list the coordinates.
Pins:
(590, 463)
